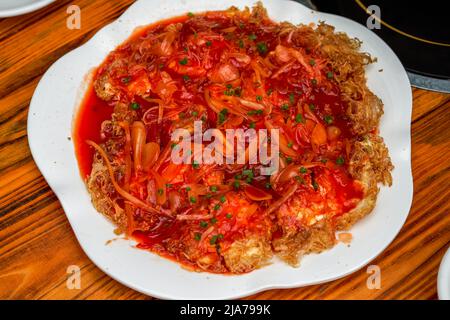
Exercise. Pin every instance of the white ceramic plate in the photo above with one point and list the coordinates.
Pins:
(443, 281)
(50, 123)
(10, 8)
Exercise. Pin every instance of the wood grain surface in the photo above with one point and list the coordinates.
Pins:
(37, 244)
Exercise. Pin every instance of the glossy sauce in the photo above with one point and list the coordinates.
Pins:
(90, 115)
(326, 101)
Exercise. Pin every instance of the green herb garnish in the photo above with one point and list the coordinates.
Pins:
(340, 161)
(299, 118)
(262, 47)
(183, 61)
(328, 119)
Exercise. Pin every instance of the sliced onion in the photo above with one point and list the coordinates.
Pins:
(288, 173)
(174, 201)
(285, 148)
(256, 194)
(135, 201)
(161, 195)
(251, 105)
(224, 73)
(319, 135)
(289, 192)
(163, 156)
(150, 154)
(125, 126)
(282, 54)
(138, 137)
(194, 216)
(240, 58)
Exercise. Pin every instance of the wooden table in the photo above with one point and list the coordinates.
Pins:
(37, 244)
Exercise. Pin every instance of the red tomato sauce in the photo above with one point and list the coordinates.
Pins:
(90, 115)
(287, 92)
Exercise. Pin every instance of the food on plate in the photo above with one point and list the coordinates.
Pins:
(233, 69)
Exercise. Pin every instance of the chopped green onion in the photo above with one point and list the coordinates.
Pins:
(222, 115)
(183, 61)
(248, 172)
(328, 119)
(315, 185)
(285, 107)
(135, 106)
(299, 118)
(299, 179)
(291, 98)
(262, 47)
(340, 161)
(213, 240)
